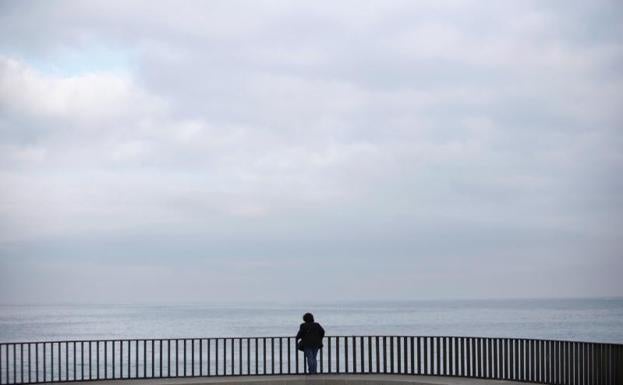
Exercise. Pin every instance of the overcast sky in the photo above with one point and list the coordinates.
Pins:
(279, 150)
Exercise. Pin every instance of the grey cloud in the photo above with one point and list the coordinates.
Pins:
(374, 138)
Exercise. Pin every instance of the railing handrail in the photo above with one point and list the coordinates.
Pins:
(326, 336)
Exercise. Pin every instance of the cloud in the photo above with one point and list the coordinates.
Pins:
(412, 137)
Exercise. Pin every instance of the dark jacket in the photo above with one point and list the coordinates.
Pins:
(311, 333)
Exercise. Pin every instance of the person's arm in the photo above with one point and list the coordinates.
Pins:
(321, 331)
(300, 333)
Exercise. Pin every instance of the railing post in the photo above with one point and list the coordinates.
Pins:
(362, 354)
(378, 350)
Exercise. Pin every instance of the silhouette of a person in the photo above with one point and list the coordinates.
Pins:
(310, 335)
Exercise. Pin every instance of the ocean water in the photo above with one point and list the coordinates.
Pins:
(599, 320)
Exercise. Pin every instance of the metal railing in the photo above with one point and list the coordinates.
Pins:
(529, 360)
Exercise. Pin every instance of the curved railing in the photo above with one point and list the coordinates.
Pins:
(529, 360)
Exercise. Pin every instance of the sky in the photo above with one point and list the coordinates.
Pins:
(199, 151)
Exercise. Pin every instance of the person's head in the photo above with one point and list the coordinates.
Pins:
(308, 317)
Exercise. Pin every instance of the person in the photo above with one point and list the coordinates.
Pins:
(310, 335)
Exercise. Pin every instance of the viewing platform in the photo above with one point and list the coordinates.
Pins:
(320, 379)
(343, 360)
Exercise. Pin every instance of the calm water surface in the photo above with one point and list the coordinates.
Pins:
(569, 319)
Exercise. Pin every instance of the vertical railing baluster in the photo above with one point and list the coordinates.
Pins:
(289, 343)
(574, 365)
(200, 357)
(121, 357)
(425, 355)
(130, 358)
(392, 360)
(519, 358)
(411, 355)
(444, 355)
(569, 365)
(1, 366)
(192, 357)
(4, 364)
(346, 354)
(398, 357)
(28, 363)
(593, 365)
(405, 356)
(153, 358)
(538, 377)
(419, 361)
(377, 350)
(510, 358)
(257, 363)
(441, 356)
(554, 360)
(460, 356)
(272, 355)
(354, 351)
(515, 359)
(264, 355)
(354, 339)
(177, 358)
(370, 354)
(535, 360)
(15, 364)
(568, 355)
(543, 356)
(450, 350)
(51, 362)
(482, 355)
(362, 367)
(544, 362)
(433, 350)
(21, 363)
(257, 360)
(249, 355)
(496, 359)
(487, 356)
(530, 359)
(505, 366)
(450, 356)
(97, 359)
(583, 364)
(549, 361)
(473, 355)
(209, 363)
(501, 350)
(337, 354)
(184, 356)
(564, 378)
(561, 361)
(526, 359)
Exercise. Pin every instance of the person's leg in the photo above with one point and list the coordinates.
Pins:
(313, 364)
(307, 352)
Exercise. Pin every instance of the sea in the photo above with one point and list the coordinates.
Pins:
(595, 319)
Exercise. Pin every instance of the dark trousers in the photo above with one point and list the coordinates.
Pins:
(310, 357)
